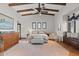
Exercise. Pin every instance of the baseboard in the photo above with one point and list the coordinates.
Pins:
(52, 39)
(23, 38)
(55, 40)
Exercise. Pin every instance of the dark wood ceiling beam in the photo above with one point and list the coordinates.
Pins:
(27, 14)
(62, 4)
(17, 4)
(25, 10)
(54, 10)
(38, 13)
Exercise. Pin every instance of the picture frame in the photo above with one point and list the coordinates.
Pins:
(44, 25)
(33, 25)
(6, 22)
(38, 25)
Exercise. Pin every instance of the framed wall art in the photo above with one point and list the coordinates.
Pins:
(6, 22)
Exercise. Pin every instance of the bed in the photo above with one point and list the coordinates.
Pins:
(38, 38)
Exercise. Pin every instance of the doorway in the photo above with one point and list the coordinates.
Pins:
(19, 29)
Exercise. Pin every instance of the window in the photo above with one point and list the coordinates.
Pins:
(44, 25)
(38, 25)
(33, 25)
(72, 26)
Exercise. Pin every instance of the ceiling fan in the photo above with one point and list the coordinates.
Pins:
(40, 9)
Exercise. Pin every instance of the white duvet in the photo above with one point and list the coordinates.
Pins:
(41, 36)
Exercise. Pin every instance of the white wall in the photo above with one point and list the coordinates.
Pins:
(6, 10)
(59, 17)
(26, 22)
(52, 22)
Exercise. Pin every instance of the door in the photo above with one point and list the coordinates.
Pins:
(19, 29)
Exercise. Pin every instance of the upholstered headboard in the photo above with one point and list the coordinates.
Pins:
(37, 32)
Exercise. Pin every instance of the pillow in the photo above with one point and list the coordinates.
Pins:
(34, 36)
(75, 35)
(41, 32)
(34, 32)
(68, 34)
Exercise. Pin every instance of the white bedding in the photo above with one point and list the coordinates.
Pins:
(39, 36)
(44, 36)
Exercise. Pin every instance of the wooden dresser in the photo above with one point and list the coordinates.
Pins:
(9, 39)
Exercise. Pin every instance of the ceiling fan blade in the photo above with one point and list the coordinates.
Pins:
(48, 14)
(62, 4)
(18, 4)
(51, 10)
(25, 10)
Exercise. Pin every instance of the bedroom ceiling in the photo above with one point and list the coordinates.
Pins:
(25, 9)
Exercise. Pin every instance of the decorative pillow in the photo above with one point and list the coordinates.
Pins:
(34, 32)
(75, 35)
(37, 36)
(41, 32)
(68, 34)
